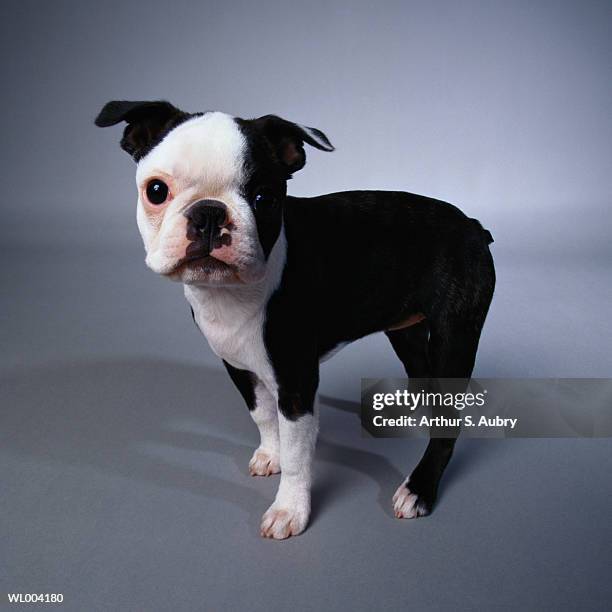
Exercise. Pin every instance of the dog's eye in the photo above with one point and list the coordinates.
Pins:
(157, 191)
(262, 198)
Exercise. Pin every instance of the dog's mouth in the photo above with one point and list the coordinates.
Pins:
(205, 263)
(199, 259)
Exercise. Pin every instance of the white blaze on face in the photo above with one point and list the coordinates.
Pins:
(202, 158)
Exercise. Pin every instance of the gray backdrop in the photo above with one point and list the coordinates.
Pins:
(124, 447)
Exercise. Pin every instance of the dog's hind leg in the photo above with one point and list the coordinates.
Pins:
(449, 352)
(452, 352)
(458, 305)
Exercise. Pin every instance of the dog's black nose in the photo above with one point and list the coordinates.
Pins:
(205, 219)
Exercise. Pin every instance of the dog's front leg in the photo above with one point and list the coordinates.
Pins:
(298, 427)
(265, 460)
(263, 408)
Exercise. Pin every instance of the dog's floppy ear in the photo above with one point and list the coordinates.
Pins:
(287, 140)
(147, 123)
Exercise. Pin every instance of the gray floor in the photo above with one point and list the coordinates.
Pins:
(124, 452)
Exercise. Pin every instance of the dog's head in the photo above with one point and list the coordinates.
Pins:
(211, 187)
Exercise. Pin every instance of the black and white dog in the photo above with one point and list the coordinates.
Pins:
(278, 283)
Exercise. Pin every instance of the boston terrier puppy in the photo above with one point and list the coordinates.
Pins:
(277, 283)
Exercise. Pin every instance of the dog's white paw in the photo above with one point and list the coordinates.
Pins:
(264, 463)
(407, 504)
(280, 523)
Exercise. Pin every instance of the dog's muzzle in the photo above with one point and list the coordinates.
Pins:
(205, 222)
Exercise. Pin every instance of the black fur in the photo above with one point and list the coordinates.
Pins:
(244, 381)
(361, 262)
(286, 141)
(147, 123)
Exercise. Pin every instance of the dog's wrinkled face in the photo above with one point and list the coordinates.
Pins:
(196, 220)
(211, 187)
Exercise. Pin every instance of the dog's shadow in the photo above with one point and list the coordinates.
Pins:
(468, 454)
(159, 421)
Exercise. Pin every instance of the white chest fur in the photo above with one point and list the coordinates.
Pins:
(232, 321)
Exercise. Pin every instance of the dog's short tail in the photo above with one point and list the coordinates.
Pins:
(485, 232)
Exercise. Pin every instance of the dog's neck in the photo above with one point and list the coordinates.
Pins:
(219, 303)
